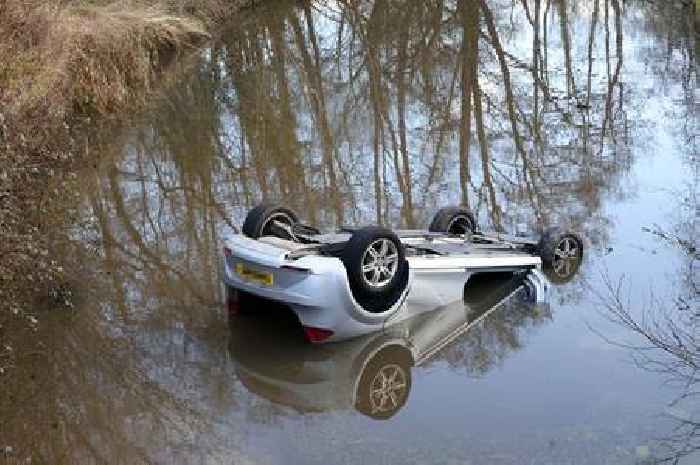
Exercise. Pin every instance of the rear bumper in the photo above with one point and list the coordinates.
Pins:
(316, 288)
(291, 286)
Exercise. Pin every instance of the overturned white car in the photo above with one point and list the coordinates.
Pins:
(357, 280)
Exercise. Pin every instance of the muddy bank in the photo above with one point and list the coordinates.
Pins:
(67, 68)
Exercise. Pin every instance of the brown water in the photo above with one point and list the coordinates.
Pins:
(574, 113)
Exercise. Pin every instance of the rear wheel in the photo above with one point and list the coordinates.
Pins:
(453, 220)
(377, 268)
(262, 221)
(561, 253)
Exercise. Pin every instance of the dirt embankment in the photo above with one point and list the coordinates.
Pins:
(65, 64)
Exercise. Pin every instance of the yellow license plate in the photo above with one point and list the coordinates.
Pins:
(260, 277)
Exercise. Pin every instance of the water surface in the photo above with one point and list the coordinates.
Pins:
(533, 113)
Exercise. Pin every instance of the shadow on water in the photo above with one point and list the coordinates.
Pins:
(533, 113)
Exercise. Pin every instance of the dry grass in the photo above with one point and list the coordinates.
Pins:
(93, 58)
(60, 62)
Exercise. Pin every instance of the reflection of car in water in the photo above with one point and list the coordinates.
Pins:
(372, 373)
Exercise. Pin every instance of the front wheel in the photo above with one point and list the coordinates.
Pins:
(561, 253)
(453, 220)
(377, 269)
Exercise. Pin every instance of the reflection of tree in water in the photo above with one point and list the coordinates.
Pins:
(668, 328)
(88, 396)
(346, 114)
(490, 341)
(419, 103)
(319, 108)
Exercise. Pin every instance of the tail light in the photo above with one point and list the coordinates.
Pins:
(227, 252)
(316, 334)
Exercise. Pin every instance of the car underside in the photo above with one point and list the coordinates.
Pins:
(352, 280)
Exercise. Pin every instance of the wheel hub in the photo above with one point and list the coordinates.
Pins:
(380, 262)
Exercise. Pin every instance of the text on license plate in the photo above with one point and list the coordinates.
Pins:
(260, 277)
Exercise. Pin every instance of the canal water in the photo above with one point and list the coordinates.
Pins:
(532, 113)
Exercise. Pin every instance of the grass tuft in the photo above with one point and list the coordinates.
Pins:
(86, 57)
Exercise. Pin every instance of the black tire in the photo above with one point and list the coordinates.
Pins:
(385, 383)
(453, 220)
(375, 296)
(258, 221)
(561, 253)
